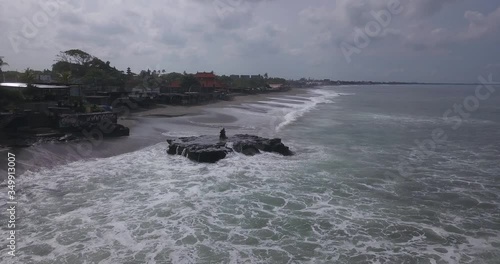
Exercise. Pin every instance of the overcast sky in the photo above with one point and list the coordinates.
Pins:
(405, 40)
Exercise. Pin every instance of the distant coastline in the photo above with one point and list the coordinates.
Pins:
(314, 83)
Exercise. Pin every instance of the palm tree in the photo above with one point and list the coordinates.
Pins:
(29, 76)
(64, 77)
(2, 63)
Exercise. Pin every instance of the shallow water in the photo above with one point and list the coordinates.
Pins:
(341, 199)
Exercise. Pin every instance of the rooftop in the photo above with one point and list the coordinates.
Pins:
(205, 75)
(39, 86)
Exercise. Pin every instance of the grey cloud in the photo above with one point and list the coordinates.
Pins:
(173, 39)
(425, 8)
(235, 19)
(425, 36)
(260, 40)
(72, 19)
(481, 25)
(110, 28)
(190, 34)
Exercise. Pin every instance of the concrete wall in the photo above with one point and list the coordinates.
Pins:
(76, 120)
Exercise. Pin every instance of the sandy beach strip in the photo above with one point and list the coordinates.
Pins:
(145, 131)
(175, 110)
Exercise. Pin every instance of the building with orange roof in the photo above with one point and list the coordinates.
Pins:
(208, 81)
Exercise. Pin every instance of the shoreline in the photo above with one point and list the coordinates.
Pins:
(176, 110)
(171, 111)
(147, 128)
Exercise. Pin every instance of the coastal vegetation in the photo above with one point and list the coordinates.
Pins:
(188, 81)
(2, 63)
(28, 76)
(81, 89)
(76, 66)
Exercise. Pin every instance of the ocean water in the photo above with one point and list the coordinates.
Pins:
(362, 188)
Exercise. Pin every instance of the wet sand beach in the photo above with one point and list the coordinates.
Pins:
(147, 127)
(173, 111)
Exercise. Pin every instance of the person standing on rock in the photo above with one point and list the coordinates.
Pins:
(223, 134)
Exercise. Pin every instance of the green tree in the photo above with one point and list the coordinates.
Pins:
(28, 76)
(189, 81)
(77, 71)
(64, 77)
(12, 76)
(87, 69)
(276, 81)
(2, 63)
(173, 76)
(228, 81)
(74, 56)
(75, 61)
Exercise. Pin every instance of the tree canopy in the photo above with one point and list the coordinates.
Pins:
(189, 81)
(86, 69)
(28, 76)
(64, 77)
(173, 76)
(2, 62)
(74, 56)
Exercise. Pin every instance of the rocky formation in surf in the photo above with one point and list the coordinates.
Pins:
(210, 149)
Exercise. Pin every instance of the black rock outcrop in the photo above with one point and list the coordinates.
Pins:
(211, 149)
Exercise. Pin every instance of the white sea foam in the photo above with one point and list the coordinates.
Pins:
(142, 201)
(320, 96)
(319, 206)
(265, 118)
(148, 207)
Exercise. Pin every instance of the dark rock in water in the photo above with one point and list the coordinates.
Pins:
(201, 149)
(210, 149)
(248, 149)
(118, 131)
(252, 144)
